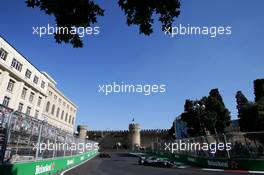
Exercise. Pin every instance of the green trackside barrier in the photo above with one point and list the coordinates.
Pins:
(233, 164)
(45, 167)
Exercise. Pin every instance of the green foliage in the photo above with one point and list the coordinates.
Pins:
(193, 118)
(215, 104)
(214, 115)
(259, 89)
(140, 12)
(241, 101)
(69, 13)
(251, 114)
(84, 13)
(252, 118)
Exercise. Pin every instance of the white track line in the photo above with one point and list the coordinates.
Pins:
(210, 169)
(252, 172)
(256, 172)
(62, 173)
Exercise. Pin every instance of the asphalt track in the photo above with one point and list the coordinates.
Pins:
(125, 164)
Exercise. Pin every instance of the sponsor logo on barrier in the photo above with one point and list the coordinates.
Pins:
(190, 159)
(233, 164)
(70, 162)
(42, 169)
(218, 164)
(176, 156)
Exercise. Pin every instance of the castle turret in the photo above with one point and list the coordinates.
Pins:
(82, 130)
(134, 135)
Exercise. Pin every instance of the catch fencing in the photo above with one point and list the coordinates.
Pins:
(248, 145)
(21, 138)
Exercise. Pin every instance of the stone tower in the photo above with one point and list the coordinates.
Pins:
(134, 135)
(82, 130)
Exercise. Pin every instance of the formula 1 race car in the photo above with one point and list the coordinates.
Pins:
(157, 162)
(104, 155)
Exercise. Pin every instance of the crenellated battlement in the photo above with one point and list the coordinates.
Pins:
(119, 132)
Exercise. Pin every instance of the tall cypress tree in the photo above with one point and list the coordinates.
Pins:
(215, 106)
(241, 101)
(259, 89)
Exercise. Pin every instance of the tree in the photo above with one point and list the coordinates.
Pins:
(195, 118)
(216, 104)
(259, 89)
(214, 116)
(84, 13)
(241, 101)
(251, 119)
(251, 114)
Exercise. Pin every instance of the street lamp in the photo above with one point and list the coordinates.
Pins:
(201, 109)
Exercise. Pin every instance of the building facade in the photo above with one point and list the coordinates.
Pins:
(25, 89)
(58, 108)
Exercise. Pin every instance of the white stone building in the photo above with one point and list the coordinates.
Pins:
(27, 90)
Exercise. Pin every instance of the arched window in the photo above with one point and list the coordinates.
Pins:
(58, 112)
(53, 109)
(62, 115)
(70, 119)
(47, 106)
(66, 117)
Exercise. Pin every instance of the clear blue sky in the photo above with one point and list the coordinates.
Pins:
(190, 66)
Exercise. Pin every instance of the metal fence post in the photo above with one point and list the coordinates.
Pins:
(7, 136)
(39, 139)
(228, 154)
(55, 145)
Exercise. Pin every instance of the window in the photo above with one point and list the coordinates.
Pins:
(31, 97)
(10, 85)
(24, 93)
(70, 119)
(28, 74)
(62, 115)
(66, 117)
(39, 101)
(53, 109)
(42, 84)
(55, 97)
(3, 54)
(47, 106)
(35, 80)
(28, 110)
(50, 93)
(16, 64)
(6, 101)
(64, 103)
(36, 113)
(20, 107)
(58, 112)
